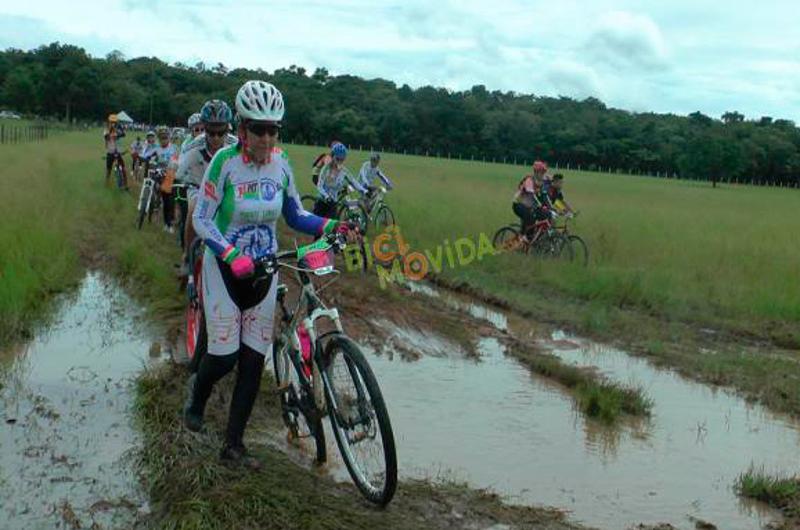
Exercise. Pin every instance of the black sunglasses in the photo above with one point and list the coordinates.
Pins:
(260, 128)
(218, 132)
(197, 130)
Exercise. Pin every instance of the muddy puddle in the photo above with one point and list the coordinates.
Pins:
(491, 423)
(65, 428)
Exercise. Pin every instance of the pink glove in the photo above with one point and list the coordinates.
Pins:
(243, 266)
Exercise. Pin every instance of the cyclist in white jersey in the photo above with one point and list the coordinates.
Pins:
(246, 189)
(163, 155)
(215, 117)
(370, 170)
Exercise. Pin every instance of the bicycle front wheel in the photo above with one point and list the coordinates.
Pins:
(579, 249)
(143, 203)
(360, 421)
(384, 217)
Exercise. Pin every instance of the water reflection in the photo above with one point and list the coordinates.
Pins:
(64, 406)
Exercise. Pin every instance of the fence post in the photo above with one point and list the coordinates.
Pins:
(2, 133)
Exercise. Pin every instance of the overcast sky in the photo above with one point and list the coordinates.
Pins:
(664, 56)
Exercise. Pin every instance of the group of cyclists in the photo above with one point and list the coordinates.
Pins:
(239, 183)
(539, 196)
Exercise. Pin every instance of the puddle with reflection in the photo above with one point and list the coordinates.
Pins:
(495, 425)
(64, 407)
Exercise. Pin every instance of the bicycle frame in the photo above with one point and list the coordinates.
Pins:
(308, 310)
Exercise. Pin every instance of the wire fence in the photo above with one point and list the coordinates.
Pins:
(15, 134)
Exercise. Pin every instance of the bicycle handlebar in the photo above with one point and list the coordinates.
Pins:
(334, 241)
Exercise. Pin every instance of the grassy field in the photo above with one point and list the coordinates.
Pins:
(682, 250)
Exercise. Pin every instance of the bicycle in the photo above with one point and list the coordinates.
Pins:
(541, 239)
(149, 196)
(377, 210)
(119, 175)
(326, 374)
(347, 209)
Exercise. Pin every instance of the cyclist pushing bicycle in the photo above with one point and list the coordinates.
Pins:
(246, 188)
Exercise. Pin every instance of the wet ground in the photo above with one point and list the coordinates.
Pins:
(469, 413)
(490, 422)
(65, 428)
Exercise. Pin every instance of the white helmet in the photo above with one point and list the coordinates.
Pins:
(259, 100)
(194, 119)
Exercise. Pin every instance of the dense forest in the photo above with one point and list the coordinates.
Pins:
(65, 82)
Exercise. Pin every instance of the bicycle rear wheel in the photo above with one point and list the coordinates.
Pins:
(360, 421)
(506, 239)
(295, 403)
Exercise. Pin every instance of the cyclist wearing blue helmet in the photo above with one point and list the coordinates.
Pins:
(333, 179)
(215, 116)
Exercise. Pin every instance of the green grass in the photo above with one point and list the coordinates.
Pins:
(677, 249)
(597, 398)
(779, 491)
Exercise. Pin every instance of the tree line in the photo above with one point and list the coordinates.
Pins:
(63, 80)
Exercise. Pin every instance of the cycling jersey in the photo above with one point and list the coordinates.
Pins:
(137, 147)
(194, 159)
(237, 211)
(333, 181)
(111, 139)
(162, 157)
(531, 194)
(368, 174)
(240, 203)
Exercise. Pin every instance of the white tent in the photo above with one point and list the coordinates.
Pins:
(123, 117)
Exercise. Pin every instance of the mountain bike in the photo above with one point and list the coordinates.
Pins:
(149, 196)
(541, 239)
(377, 210)
(321, 374)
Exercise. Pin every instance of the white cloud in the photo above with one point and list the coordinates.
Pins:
(677, 56)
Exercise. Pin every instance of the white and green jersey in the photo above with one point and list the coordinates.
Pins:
(332, 182)
(368, 174)
(194, 159)
(240, 202)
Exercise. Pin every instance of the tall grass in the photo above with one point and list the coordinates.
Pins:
(779, 491)
(58, 216)
(674, 248)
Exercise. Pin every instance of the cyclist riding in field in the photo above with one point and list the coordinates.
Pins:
(531, 202)
(333, 179)
(196, 128)
(163, 155)
(215, 118)
(556, 195)
(245, 190)
(112, 135)
(370, 170)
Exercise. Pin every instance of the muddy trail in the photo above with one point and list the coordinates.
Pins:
(65, 401)
(465, 405)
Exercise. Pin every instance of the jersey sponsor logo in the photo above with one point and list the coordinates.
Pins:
(268, 190)
(209, 191)
(255, 241)
(247, 191)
